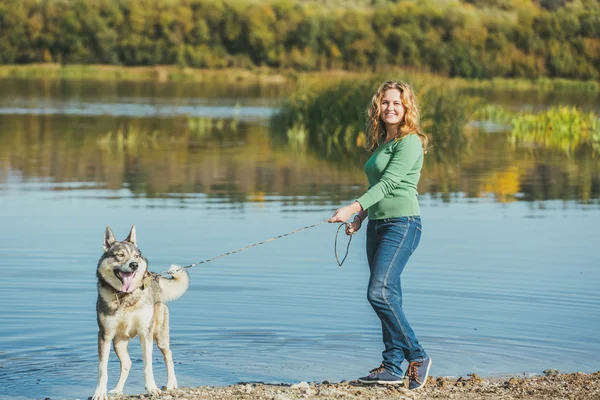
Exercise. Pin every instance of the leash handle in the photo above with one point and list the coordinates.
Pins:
(335, 244)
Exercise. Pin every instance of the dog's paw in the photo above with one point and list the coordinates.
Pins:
(171, 384)
(115, 391)
(153, 390)
(100, 394)
(175, 269)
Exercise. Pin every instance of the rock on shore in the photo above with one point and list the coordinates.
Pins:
(551, 385)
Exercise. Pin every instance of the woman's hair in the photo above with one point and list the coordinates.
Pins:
(410, 124)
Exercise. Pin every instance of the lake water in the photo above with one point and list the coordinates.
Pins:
(505, 279)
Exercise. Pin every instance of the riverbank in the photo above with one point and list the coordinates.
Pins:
(549, 386)
(278, 76)
(158, 73)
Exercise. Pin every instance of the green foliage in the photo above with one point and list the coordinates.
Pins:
(327, 119)
(445, 113)
(564, 128)
(330, 119)
(472, 39)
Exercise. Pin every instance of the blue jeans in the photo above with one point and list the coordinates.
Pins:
(390, 242)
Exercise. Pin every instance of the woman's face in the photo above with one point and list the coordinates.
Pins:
(392, 110)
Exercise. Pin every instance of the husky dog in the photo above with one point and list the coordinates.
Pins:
(131, 302)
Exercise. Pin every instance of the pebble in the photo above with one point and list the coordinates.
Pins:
(302, 386)
(552, 373)
(247, 389)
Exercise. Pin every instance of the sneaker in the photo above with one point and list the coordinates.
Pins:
(381, 376)
(417, 373)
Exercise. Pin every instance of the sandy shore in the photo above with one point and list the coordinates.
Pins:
(550, 385)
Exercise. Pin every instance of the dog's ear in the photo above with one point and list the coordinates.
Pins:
(131, 238)
(109, 238)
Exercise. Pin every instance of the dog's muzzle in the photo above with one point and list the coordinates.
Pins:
(126, 274)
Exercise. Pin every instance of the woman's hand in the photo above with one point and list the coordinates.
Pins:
(354, 226)
(344, 213)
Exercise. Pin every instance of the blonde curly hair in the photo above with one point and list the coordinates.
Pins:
(411, 123)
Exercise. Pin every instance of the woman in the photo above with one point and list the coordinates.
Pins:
(394, 229)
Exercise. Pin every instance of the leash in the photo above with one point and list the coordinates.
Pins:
(169, 271)
(335, 245)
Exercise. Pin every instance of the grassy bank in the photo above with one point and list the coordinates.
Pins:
(169, 73)
(160, 73)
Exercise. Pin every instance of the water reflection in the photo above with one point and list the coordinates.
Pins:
(226, 109)
(234, 164)
(115, 91)
(235, 161)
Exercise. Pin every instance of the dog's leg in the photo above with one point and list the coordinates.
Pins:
(149, 383)
(163, 345)
(120, 346)
(162, 341)
(103, 353)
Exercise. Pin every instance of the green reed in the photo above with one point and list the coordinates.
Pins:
(564, 128)
(162, 73)
(445, 113)
(330, 118)
(538, 85)
(280, 77)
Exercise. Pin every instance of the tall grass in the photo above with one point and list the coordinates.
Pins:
(278, 76)
(330, 119)
(160, 73)
(445, 114)
(538, 84)
(563, 128)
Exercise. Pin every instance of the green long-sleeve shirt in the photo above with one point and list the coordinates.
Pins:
(393, 172)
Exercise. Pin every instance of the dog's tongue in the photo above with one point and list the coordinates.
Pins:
(127, 281)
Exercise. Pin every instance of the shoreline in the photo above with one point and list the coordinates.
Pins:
(548, 386)
(274, 76)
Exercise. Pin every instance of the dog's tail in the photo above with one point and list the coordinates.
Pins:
(176, 286)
